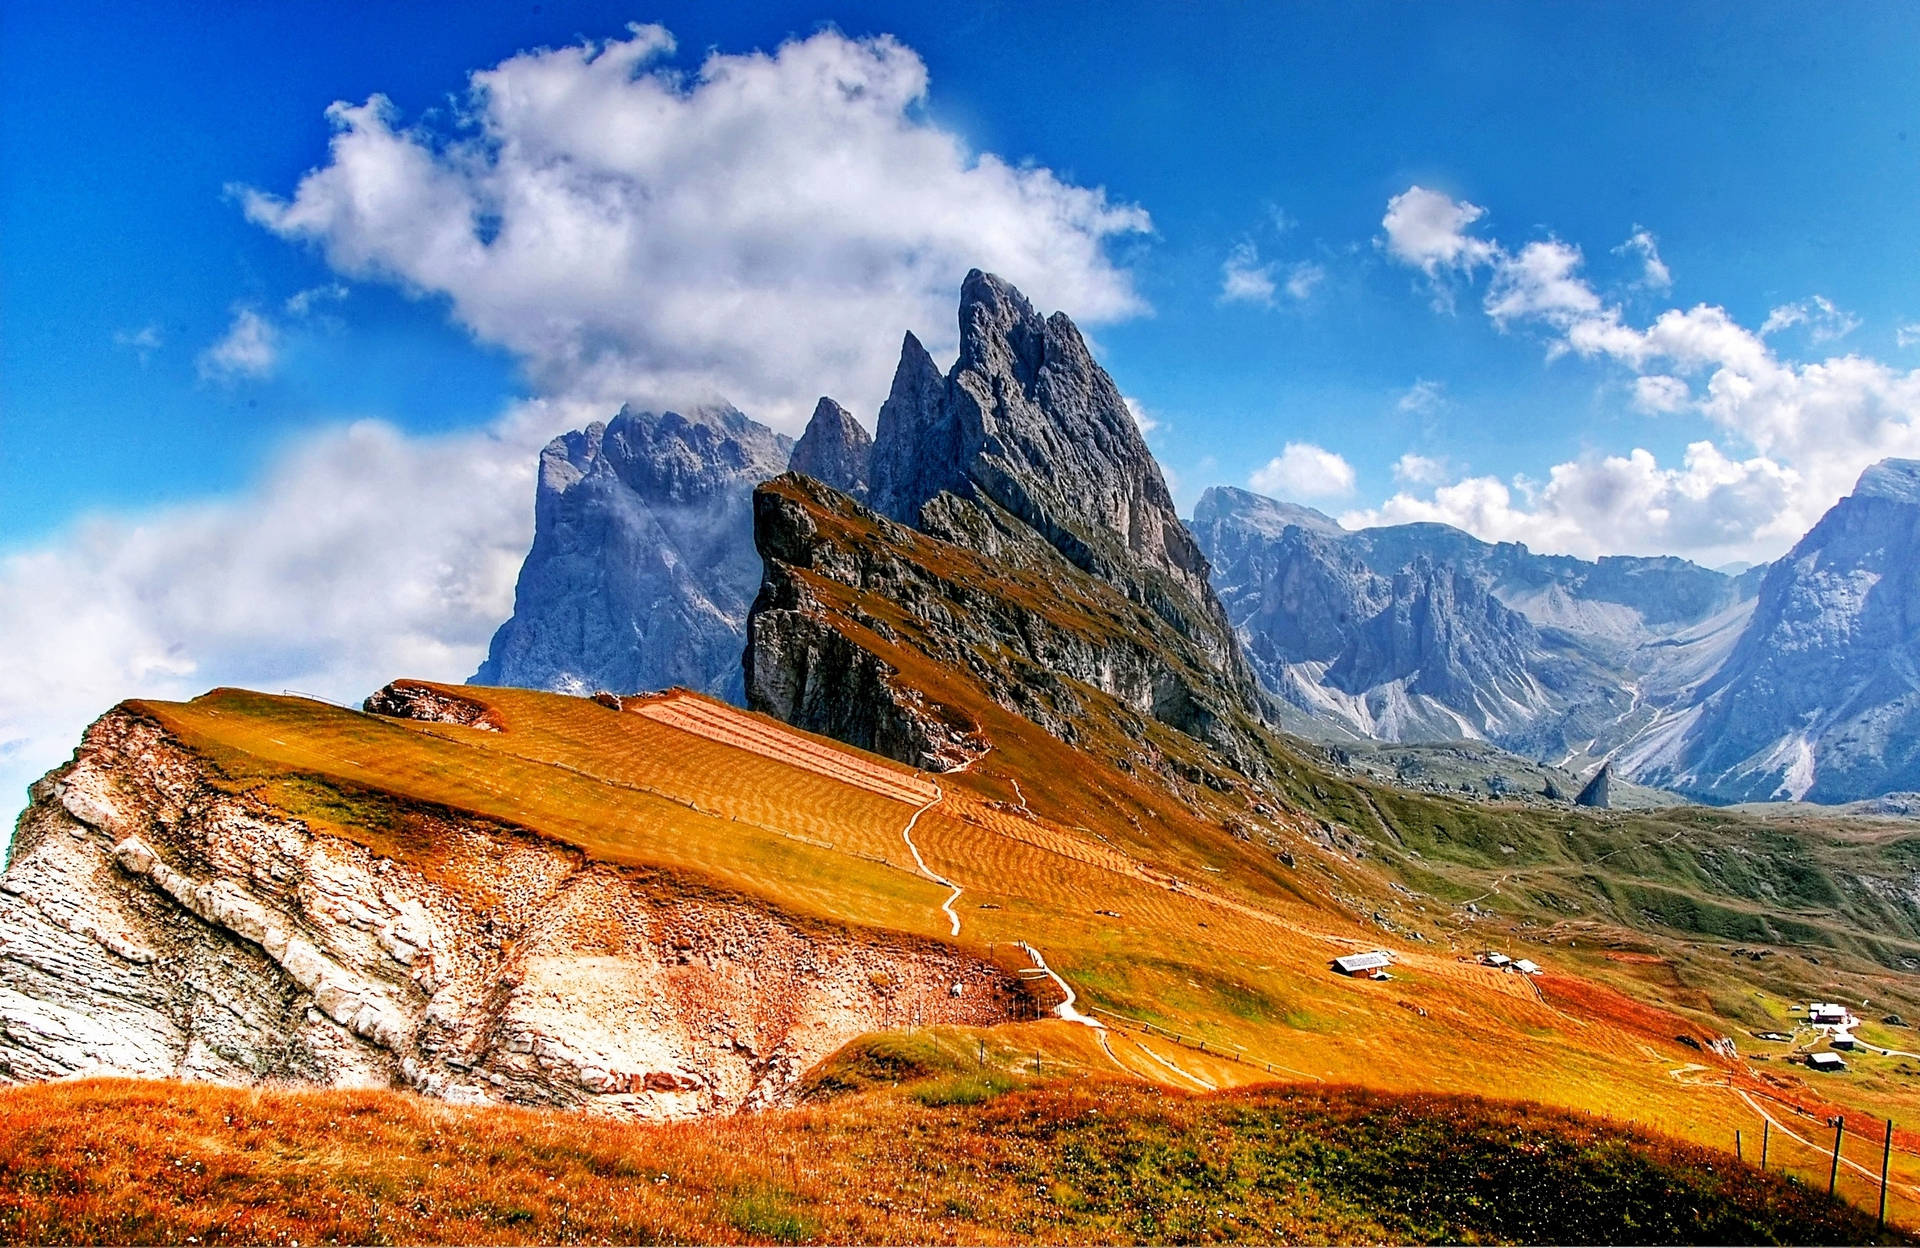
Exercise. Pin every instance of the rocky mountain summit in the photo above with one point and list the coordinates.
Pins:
(1024, 455)
(1027, 438)
(642, 566)
(835, 450)
(1820, 698)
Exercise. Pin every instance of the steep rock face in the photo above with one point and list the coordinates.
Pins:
(1442, 635)
(1423, 632)
(154, 924)
(642, 567)
(1027, 439)
(851, 599)
(1820, 698)
(834, 449)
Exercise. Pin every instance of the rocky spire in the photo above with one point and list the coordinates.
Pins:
(1028, 423)
(834, 450)
(1597, 793)
(916, 452)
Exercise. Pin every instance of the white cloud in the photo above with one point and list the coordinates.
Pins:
(1243, 279)
(1303, 278)
(1654, 273)
(1422, 398)
(762, 228)
(362, 554)
(1420, 469)
(1542, 282)
(1610, 504)
(302, 302)
(1824, 321)
(1805, 430)
(1141, 416)
(1658, 392)
(143, 342)
(1303, 470)
(1427, 229)
(1907, 336)
(249, 349)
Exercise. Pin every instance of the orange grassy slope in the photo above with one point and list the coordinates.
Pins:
(1150, 913)
(937, 1160)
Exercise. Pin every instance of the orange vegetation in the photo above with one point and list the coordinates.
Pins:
(939, 1160)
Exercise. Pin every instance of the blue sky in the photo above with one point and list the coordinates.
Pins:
(1505, 335)
(1769, 152)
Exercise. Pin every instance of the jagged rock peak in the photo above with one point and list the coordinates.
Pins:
(1030, 429)
(1897, 480)
(916, 451)
(835, 450)
(1598, 793)
(642, 567)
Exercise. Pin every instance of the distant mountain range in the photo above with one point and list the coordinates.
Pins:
(1791, 680)
(1795, 680)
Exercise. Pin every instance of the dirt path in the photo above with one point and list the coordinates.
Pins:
(1065, 1009)
(1642, 845)
(1188, 1075)
(906, 834)
(1114, 1058)
(1823, 1150)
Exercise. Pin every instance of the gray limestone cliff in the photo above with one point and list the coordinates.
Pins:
(1027, 438)
(1820, 698)
(642, 567)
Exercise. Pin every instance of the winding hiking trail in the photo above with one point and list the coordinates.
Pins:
(1065, 1009)
(1823, 1150)
(906, 834)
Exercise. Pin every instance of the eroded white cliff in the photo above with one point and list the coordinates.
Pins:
(153, 923)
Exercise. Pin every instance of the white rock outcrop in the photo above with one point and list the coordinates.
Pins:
(153, 923)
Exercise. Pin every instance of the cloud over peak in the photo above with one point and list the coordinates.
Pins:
(1303, 470)
(1796, 434)
(761, 228)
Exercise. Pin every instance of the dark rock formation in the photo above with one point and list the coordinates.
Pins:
(642, 567)
(1026, 457)
(1598, 791)
(834, 450)
(410, 699)
(863, 629)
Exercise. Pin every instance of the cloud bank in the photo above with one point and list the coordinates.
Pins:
(1303, 470)
(1790, 436)
(761, 229)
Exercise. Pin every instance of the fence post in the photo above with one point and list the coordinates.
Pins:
(1886, 1155)
(1738, 1155)
(1833, 1175)
(1766, 1129)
